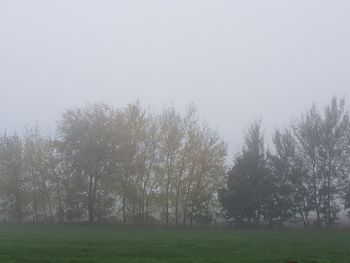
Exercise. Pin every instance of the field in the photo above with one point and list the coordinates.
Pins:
(30, 243)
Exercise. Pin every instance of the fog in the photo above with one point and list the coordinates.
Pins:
(233, 59)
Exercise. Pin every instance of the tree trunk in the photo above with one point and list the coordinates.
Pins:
(35, 206)
(191, 216)
(124, 182)
(50, 207)
(178, 189)
(124, 208)
(185, 203)
(19, 208)
(176, 210)
(90, 201)
(134, 211)
(167, 203)
(60, 213)
(329, 213)
(319, 224)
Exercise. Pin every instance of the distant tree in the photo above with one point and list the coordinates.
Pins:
(56, 170)
(247, 184)
(322, 143)
(171, 133)
(334, 157)
(38, 160)
(208, 176)
(189, 125)
(12, 177)
(138, 141)
(307, 136)
(290, 195)
(130, 126)
(86, 147)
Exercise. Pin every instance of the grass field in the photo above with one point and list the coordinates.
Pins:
(29, 243)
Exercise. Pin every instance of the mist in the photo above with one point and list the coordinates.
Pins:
(235, 60)
(174, 131)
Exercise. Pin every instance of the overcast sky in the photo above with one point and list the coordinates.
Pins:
(234, 59)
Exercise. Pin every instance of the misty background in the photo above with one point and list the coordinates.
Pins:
(233, 59)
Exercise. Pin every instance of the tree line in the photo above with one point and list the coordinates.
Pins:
(114, 165)
(304, 178)
(133, 166)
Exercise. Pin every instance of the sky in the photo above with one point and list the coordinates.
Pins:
(235, 60)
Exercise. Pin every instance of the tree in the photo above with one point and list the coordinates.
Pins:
(290, 194)
(171, 133)
(138, 142)
(334, 157)
(86, 136)
(322, 143)
(307, 137)
(12, 177)
(40, 167)
(246, 189)
(209, 169)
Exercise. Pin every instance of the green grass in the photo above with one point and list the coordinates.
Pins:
(30, 243)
